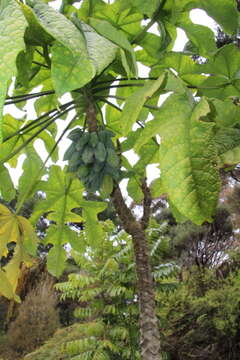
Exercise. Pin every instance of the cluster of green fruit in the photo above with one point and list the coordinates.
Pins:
(93, 157)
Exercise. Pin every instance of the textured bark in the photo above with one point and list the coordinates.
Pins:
(91, 117)
(149, 330)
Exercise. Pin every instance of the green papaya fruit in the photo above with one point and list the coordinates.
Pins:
(82, 141)
(97, 167)
(75, 158)
(69, 152)
(93, 141)
(109, 133)
(96, 182)
(112, 158)
(100, 152)
(102, 136)
(72, 168)
(83, 171)
(112, 171)
(87, 155)
(107, 185)
(75, 134)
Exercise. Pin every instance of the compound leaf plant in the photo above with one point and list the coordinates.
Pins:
(78, 67)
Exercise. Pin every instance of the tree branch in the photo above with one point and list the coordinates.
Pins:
(124, 213)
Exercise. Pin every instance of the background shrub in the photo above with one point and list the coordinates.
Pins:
(37, 318)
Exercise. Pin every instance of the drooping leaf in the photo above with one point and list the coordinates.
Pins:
(92, 226)
(6, 288)
(107, 30)
(59, 27)
(157, 188)
(201, 36)
(186, 163)
(69, 70)
(227, 113)
(134, 189)
(6, 185)
(29, 236)
(101, 51)
(69, 52)
(31, 168)
(228, 145)
(12, 28)
(57, 254)
(35, 33)
(9, 228)
(135, 102)
(24, 62)
(18, 230)
(50, 143)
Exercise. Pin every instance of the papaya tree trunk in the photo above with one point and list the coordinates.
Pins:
(148, 322)
(149, 330)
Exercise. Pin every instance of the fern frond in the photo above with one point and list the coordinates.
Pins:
(119, 332)
(80, 346)
(164, 271)
(100, 355)
(83, 313)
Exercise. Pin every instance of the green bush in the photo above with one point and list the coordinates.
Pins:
(203, 326)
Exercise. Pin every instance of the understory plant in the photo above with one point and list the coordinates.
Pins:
(202, 325)
(105, 288)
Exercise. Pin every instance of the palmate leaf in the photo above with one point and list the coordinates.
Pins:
(16, 229)
(12, 28)
(201, 36)
(63, 194)
(227, 113)
(224, 12)
(188, 166)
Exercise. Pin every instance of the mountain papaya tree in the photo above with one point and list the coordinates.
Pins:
(75, 72)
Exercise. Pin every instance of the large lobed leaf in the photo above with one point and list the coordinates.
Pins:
(71, 60)
(187, 156)
(12, 28)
